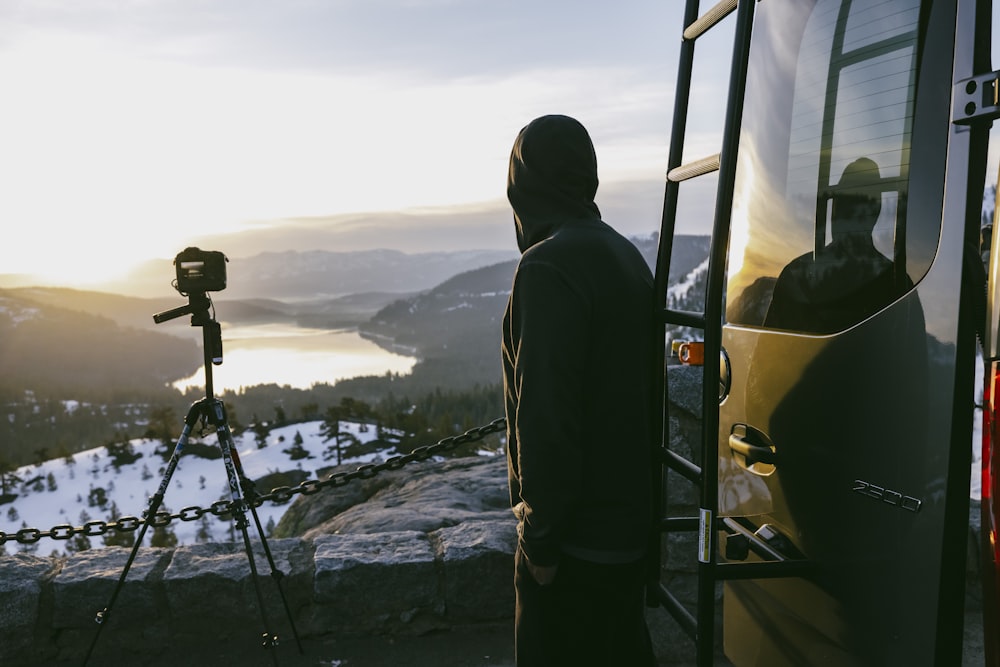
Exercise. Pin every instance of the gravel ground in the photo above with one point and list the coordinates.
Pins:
(486, 646)
(479, 646)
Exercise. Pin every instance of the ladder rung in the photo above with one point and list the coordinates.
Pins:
(705, 165)
(682, 466)
(684, 318)
(765, 570)
(757, 545)
(680, 524)
(704, 22)
(683, 617)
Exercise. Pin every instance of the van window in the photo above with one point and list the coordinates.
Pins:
(818, 240)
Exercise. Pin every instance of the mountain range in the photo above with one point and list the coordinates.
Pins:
(430, 303)
(105, 352)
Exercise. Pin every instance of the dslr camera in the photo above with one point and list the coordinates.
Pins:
(200, 271)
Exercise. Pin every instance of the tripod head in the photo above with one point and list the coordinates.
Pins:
(198, 272)
(198, 308)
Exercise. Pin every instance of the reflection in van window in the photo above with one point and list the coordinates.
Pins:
(847, 280)
(818, 239)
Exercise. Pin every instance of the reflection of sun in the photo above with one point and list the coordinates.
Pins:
(739, 229)
(298, 360)
(739, 238)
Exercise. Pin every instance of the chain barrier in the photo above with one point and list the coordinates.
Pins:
(279, 495)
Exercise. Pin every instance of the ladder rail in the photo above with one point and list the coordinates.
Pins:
(700, 624)
(660, 423)
(713, 328)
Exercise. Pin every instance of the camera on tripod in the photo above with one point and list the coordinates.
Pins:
(200, 271)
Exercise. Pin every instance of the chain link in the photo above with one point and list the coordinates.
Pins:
(279, 495)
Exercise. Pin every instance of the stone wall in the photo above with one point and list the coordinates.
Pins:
(394, 582)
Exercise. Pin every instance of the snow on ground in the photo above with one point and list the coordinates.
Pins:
(56, 492)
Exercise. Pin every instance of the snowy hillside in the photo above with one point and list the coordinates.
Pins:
(91, 488)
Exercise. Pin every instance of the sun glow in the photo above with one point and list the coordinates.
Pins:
(112, 157)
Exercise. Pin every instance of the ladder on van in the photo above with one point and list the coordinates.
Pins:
(699, 624)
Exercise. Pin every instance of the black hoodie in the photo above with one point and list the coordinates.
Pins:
(577, 349)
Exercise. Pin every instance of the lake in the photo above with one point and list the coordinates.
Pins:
(295, 356)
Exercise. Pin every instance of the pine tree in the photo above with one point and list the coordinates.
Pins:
(27, 548)
(79, 542)
(163, 536)
(41, 455)
(161, 427)
(97, 497)
(116, 538)
(296, 451)
(7, 476)
(261, 430)
(232, 419)
(204, 533)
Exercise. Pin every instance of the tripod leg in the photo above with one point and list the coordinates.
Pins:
(276, 574)
(239, 506)
(250, 493)
(154, 506)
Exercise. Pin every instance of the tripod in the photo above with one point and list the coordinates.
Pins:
(209, 411)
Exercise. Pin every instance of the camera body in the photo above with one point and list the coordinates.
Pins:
(200, 271)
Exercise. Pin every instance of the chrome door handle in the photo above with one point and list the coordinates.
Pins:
(752, 450)
(752, 453)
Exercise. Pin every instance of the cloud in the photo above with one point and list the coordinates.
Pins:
(456, 228)
(432, 39)
(132, 126)
(632, 207)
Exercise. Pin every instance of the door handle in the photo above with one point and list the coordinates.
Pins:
(752, 449)
(752, 453)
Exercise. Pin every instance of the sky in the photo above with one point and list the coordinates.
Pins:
(131, 129)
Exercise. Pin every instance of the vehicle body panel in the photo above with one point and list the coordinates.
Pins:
(868, 418)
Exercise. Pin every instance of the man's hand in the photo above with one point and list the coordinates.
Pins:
(544, 575)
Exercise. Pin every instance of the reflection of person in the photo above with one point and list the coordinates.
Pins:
(578, 367)
(847, 280)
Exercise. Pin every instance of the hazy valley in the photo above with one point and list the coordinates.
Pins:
(103, 354)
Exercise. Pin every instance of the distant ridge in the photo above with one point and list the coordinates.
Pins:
(315, 274)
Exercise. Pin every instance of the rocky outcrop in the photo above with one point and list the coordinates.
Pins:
(421, 497)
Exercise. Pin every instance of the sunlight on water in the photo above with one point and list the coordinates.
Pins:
(295, 357)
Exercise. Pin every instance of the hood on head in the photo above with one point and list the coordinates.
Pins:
(552, 177)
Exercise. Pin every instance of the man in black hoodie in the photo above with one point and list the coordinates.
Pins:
(578, 338)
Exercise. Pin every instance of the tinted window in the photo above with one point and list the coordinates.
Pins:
(818, 238)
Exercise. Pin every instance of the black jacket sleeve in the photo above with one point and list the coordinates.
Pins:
(547, 345)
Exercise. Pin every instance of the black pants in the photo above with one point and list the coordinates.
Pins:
(592, 614)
